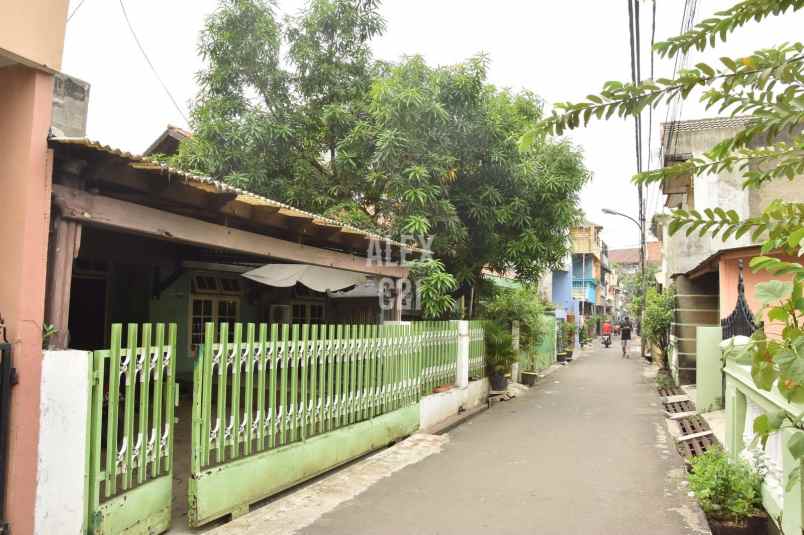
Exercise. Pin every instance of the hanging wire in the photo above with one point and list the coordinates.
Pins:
(151, 65)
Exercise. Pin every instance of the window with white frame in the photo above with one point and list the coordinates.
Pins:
(307, 312)
(209, 283)
(215, 309)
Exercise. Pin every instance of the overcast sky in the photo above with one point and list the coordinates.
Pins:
(560, 50)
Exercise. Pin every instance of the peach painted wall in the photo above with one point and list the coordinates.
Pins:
(729, 274)
(25, 185)
(32, 31)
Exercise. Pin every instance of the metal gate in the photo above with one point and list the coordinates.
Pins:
(131, 431)
(8, 378)
(275, 405)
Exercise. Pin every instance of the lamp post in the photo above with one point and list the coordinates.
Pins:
(641, 227)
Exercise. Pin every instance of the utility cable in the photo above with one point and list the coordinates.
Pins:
(151, 65)
(81, 3)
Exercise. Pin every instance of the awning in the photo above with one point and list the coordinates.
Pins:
(320, 279)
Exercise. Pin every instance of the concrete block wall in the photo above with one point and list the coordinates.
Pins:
(70, 106)
(696, 306)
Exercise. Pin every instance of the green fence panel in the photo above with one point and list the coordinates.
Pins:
(262, 388)
(439, 354)
(477, 350)
(131, 438)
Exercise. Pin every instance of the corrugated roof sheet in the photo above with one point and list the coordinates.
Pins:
(145, 163)
(707, 124)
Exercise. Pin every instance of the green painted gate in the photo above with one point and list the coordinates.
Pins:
(130, 454)
(276, 405)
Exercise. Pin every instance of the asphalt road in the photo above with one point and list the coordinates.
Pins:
(584, 452)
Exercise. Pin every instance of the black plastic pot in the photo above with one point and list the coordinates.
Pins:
(498, 381)
(529, 378)
(754, 525)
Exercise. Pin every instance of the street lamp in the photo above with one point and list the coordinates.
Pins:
(641, 227)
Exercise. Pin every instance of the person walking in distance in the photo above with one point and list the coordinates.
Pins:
(625, 336)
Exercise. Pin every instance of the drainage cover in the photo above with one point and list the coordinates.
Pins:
(692, 447)
(674, 407)
(692, 424)
(666, 391)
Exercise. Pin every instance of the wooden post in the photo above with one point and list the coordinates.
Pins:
(396, 311)
(62, 252)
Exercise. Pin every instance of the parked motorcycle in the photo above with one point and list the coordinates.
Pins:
(607, 340)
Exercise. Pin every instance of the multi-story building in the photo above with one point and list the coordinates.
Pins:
(588, 268)
(705, 269)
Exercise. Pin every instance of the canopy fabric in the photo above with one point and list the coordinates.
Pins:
(320, 279)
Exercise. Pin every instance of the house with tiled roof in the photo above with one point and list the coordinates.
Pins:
(628, 260)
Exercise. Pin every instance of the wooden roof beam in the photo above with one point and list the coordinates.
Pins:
(133, 218)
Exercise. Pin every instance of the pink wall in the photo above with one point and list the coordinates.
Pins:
(729, 273)
(25, 184)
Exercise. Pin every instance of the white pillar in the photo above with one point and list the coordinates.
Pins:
(462, 373)
(515, 343)
(63, 440)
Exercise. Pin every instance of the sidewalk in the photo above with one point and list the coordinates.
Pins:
(584, 452)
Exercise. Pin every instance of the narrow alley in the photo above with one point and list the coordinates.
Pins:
(585, 451)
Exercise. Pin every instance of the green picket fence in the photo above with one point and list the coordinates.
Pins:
(263, 387)
(477, 350)
(131, 427)
(439, 353)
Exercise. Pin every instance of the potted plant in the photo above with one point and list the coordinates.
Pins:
(729, 494)
(530, 374)
(499, 353)
(568, 330)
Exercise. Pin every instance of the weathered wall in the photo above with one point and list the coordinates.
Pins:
(63, 442)
(724, 190)
(681, 252)
(25, 183)
(70, 106)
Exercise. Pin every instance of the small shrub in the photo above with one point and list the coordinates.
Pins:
(727, 490)
(665, 380)
(499, 347)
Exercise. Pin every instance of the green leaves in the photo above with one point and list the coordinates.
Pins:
(707, 32)
(796, 445)
(773, 291)
(435, 286)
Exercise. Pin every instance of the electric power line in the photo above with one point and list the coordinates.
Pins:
(81, 3)
(151, 65)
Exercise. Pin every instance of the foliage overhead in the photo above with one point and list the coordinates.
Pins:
(767, 86)
(299, 110)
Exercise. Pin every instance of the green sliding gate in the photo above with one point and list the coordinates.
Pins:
(276, 405)
(130, 454)
(272, 406)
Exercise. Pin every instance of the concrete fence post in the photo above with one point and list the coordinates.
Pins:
(515, 343)
(708, 372)
(64, 405)
(462, 370)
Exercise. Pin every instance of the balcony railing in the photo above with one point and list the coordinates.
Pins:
(744, 403)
